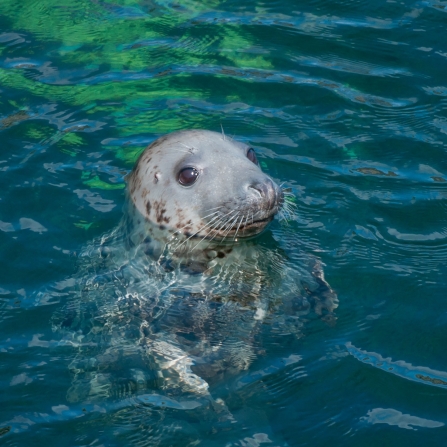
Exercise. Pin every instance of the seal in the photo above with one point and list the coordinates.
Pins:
(203, 187)
(181, 293)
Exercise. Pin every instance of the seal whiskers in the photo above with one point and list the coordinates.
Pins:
(209, 215)
(212, 228)
(288, 207)
(238, 228)
(198, 231)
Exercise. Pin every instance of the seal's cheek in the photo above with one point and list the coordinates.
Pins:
(181, 218)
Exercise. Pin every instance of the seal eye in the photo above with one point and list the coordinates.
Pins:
(252, 156)
(187, 176)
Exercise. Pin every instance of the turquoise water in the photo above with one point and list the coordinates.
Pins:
(345, 102)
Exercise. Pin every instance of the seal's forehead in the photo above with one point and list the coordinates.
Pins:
(203, 141)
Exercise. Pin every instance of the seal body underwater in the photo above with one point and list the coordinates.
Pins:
(181, 295)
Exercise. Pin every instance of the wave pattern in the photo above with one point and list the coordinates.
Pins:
(345, 102)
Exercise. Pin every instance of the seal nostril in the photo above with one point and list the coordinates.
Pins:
(264, 189)
(258, 188)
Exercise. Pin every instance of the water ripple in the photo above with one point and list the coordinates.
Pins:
(345, 103)
(420, 374)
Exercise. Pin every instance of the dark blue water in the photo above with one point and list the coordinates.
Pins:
(345, 102)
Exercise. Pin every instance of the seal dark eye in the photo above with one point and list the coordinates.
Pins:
(252, 156)
(187, 176)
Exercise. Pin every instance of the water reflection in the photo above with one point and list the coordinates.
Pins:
(345, 101)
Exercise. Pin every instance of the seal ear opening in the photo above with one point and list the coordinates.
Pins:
(251, 155)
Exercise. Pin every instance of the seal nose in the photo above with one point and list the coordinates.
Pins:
(265, 190)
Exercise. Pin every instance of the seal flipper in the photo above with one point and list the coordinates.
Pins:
(175, 372)
(172, 360)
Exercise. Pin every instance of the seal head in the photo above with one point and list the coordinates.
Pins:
(204, 185)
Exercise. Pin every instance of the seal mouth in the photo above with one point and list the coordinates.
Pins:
(258, 224)
(243, 230)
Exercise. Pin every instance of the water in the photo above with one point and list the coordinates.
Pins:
(345, 102)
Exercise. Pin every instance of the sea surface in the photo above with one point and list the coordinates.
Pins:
(345, 103)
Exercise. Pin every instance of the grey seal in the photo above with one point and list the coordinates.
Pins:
(181, 294)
